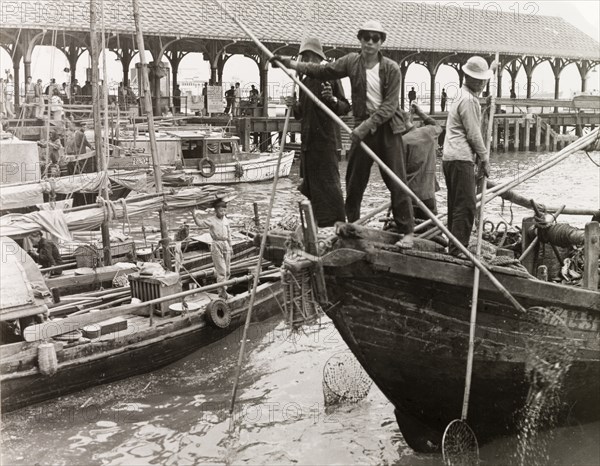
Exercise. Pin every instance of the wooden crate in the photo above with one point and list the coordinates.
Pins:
(149, 288)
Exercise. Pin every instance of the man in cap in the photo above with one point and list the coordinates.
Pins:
(320, 139)
(463, 147)
(375, 82)
(220, 249)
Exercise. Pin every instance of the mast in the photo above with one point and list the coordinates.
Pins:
(98, 143)
(145, 87)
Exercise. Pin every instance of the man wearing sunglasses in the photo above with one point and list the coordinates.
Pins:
(375, 82)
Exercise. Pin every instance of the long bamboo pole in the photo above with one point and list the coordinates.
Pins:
(475, 296)
(100, 160)
(379, 162)
(151, 133)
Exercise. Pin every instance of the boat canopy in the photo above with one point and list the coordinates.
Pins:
(23, 292)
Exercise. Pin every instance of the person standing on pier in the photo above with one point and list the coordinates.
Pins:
(375, 82)
(412, 95)
(463, 148)
(443, 100)
(220, 249)
(318, 157)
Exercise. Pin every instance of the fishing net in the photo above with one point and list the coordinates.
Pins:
(344, 379)
(459, 445)
(549, 350)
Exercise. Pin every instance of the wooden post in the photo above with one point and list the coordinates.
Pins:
(527, 136)
(98, 143)
(538, 132)
(506, 134)
(529, 261)
(312, 247)
(495, 135)
(145, 90)
(517, 135)
(592, 253)
(547, 138)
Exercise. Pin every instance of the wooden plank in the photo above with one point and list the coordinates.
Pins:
(527, 137)
(102, 274)
(529, 261)
(506, 134)
(547, 138)
(462, 275)
(592, 253)
(517, 134)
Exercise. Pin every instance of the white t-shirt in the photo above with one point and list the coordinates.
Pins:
(373, 89)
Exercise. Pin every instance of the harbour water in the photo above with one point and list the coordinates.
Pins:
(179, 415)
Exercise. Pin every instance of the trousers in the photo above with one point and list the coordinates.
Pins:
(388, 147)
(460, 180)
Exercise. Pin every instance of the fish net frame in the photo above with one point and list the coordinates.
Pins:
(344, 379)
(459, 445)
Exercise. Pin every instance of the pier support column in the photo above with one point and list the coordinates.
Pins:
(263, 67)
(403, 70)
(584, 68)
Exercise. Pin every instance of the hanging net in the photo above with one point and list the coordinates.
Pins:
(344, 379)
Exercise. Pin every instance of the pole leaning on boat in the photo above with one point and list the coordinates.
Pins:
(459, 444)
(164, 232)
(476, 262)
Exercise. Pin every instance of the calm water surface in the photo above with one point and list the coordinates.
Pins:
(179, 415)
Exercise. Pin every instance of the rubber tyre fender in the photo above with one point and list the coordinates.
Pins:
(218, 313)
(204, 165)
(239, 170)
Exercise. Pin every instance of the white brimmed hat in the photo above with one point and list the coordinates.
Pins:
(477, 68)
(312, 44)
(373, 26)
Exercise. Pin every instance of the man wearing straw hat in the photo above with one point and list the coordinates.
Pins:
(318, 158)
(463, 147)
(375, 82)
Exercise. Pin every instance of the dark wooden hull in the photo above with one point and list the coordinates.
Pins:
(406, 318)
(142, 351)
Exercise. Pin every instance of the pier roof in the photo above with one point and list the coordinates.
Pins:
(411, 26)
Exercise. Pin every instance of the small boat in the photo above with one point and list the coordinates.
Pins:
(405, 316)
(205, 156)
(96, 347)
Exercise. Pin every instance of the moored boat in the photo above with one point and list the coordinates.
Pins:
(205, 156)
(96, 347)
(405, 315)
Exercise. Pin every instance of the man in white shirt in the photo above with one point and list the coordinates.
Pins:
(463, 147)
(220, 250)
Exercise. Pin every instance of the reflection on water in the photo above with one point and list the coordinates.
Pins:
(180, 415)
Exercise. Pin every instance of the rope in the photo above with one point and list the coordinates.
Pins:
(125, 215)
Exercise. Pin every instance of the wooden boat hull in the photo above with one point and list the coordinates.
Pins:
(406, 318)
(135, 352)
(261, 168)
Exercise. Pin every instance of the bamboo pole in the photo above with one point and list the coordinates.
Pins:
(382, 165)
(475, 295)
(151, 133)
(101, 162)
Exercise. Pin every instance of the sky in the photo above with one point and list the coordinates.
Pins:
(585, 15)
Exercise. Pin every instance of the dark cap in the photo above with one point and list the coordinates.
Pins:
(219, 203)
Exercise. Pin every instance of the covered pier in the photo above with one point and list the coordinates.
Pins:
(426, 34)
